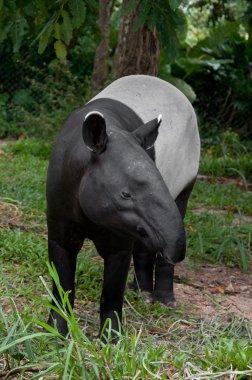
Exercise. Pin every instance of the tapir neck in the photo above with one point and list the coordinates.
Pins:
(116, 112)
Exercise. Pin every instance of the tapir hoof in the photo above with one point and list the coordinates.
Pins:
(60, 324)
(147, 297)
(133, 286)
(167, 300)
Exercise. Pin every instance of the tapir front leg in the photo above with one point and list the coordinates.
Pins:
(63, 246)
(116, 254)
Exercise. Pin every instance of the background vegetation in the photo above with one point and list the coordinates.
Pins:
(47, 56)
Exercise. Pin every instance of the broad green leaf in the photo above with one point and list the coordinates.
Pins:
(6, 347)
(17, 32)
(48, 28)
(66, 27)
(183, 87)
(132, 4)
(43, 42)
(78, 11)
(60, 49)
(43, 8)
(174, 4)
(142, 15)
(4, 30)
(12, 6)
(44, 39)
(57, 31)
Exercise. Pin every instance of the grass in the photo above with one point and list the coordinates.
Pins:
(158, 343)
(227, 156)
(205, 349)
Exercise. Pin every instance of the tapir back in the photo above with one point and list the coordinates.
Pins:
(177, 148)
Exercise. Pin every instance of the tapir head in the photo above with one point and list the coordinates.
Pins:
(123, 190)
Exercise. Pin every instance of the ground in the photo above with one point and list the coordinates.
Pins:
(204, 290)
(213, 290)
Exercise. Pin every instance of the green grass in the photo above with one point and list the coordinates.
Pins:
(227, 166)
(158, 343)
(227, 156)
(214, 195)
(206, 348)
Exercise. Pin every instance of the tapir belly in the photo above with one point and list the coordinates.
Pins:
(177, 148)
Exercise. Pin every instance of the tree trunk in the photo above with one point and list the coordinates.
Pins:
(100, 69)
(137, 51)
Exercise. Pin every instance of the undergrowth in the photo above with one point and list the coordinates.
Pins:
(204, 349)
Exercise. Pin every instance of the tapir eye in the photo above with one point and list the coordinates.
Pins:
(125, 195)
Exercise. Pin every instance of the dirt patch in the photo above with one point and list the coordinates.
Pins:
(238, 218)
(11, 216)
(2, 143)
(208, 290)
(244, 185)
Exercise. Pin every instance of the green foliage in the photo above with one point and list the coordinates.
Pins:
(206, 350)
(227, 166)
(229, 351)
(227, 156)
(30, 147)
(60, 49)
(221, 197)
(218, 239)
(229, 144)
(221, 348)
(48, 21)
(40, 108)
(78, 12)
(185, 88)
(28, 174)
(167, 17)
(17, 245)
(217, 67)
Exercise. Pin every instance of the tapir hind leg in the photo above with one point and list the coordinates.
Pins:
(163, 290)
(144, 268)
(64, 243)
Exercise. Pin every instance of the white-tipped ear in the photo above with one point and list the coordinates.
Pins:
(94, 132)
(93, 113)
(147, 133)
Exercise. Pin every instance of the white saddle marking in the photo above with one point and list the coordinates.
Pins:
(178, 145)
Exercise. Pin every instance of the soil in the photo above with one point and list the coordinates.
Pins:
(208, 290)
(11, 216)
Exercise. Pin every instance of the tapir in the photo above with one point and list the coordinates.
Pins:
(120, 174)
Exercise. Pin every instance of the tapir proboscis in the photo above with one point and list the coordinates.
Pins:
(121, 175)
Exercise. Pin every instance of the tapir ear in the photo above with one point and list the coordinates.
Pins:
(94, 132)
(147, 133)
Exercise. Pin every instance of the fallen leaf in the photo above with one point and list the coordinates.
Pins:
(220, 290)
(154, 330)
(231, 209)
(21, 137)
(230, 289)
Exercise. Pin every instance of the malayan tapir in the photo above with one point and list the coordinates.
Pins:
(120, 179)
